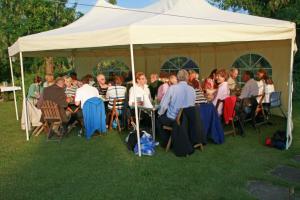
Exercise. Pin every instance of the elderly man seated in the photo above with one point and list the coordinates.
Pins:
(178, 96)
(248, 101)
(56, 93)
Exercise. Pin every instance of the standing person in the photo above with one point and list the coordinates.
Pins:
(162, 90)
(35, 90)
(232, 84)
(222, 91)
(178, 96)
(143, 96)
(49, 80)
(101, 85)
(154, 85)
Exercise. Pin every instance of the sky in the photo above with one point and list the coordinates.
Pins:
(123, 3)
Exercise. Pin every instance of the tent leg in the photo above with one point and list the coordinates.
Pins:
(13, 83)
(135, 103)
(290, 103)
(24, 96)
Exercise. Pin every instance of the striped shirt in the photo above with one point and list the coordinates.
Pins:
(115, 92)
(200, 98)
(70, 91)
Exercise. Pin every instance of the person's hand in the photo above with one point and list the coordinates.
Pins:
(68, 100)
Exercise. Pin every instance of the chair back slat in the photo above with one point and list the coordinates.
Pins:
(275, 99)
(50, 111)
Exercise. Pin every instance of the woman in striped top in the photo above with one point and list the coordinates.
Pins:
(116, 92)
(200, 98)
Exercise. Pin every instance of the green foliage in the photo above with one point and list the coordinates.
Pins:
(278, 9)
(23, 17)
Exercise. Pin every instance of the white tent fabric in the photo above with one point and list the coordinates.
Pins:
(165, 22)
(168, 21)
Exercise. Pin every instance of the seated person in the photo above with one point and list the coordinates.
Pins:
(85, 92)
(116, 92)
(248, 103)
(35, 90)
(200, 98)
(222, 91)
(143, 96)
(101, 85)
(162, 90)
(250, 88)
(49, 80)
(210, 86)
(56, 93)
(269, 88)
(154, 85)
(261, 77)
(178, 96)
(232, 84)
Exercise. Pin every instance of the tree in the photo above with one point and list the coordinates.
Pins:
(23, 17)
(277, 9)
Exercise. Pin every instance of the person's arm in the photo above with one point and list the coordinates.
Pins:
(131, 96)
(31, 91)
(164, 104)
(245, 91)
(77, 98)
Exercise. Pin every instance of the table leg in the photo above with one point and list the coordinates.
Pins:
(153, 124)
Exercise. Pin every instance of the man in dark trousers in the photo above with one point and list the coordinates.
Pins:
(56, 93)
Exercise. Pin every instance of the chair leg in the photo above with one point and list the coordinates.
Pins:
(282, 112)
(118, 121)
(111, 119)
(233, 128)
(169, 144)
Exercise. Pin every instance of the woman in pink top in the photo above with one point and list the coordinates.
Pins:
(162, 90)
(223, 89)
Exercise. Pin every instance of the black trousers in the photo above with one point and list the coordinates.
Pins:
(161, 121)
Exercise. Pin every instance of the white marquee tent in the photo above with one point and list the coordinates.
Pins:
(109, 30)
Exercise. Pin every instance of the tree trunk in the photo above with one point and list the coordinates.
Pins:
(49, 65)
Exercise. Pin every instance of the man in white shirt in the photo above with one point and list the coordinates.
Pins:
(251, 88)
(85, 92)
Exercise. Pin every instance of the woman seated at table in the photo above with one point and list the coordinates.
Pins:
(35, 90)
(117, 91)
(209, 85)
(195, 83)
(223, 90)
(143, 96)
(162, 90)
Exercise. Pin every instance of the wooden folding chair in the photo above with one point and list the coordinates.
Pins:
(51, 115)
(114, 114)
(170, 129)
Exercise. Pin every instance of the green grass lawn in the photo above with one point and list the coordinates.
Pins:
(103, 168)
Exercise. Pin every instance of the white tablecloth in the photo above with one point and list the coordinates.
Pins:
(9, 88)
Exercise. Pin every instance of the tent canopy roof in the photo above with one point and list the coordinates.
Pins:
(165, 22)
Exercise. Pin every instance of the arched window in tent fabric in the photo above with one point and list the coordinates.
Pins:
(173, 65)
(111, 68)
(251, 62)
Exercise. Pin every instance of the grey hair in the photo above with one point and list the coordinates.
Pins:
(183, 75)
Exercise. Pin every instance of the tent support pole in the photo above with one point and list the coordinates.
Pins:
(24, 97)
(13, 83)
(290, 103)
(135, 103)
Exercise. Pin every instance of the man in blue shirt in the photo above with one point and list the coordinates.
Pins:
(178, 96)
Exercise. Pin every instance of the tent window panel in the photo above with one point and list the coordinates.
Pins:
(111, 68)
(251, 62)
(173, 65)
